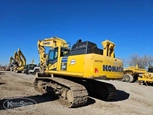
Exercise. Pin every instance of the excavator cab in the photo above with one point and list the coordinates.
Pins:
(55, 54)
(52, 56)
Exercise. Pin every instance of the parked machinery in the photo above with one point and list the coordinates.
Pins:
(21, 62)
(146, 78)
(32, 68)
(131, 73)
(18, 64)
(14, 62)
(72, 73)
(11, 64)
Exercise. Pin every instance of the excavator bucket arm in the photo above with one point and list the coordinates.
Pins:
(22, 61)
(51, 43)
(11, 60)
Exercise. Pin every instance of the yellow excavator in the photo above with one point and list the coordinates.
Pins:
(11, 60)
(16, 56)
(16, 61)
(11, 64)
(9, 67)
(20, 58)
(72, 73)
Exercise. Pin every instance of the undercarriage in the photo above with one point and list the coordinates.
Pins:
(74, 92)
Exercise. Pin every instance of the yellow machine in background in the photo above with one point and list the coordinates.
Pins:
(16, 57)
(17, 63)
(71, 73)
(16, 60)
(131, 73)
(147, 77)
(10, 66)
(13, 62)
(21, 62)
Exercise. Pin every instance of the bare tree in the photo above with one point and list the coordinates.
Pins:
(150, 62)
(133, 60)
(125, 62)
(142, 62)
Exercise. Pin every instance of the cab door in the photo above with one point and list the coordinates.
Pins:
(52, 59)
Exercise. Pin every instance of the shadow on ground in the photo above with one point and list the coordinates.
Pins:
(37, 98)
(2, 83)
(120, 96)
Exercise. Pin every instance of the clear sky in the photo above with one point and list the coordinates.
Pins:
(128, 23)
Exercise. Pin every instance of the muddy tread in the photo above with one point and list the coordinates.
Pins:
(79, 92)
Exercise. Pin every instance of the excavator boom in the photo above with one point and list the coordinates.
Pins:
(51, 43)
(21, 60)
(16, 56)
(11, 60)
(11, 64)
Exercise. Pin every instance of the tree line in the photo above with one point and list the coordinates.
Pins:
(142, 61)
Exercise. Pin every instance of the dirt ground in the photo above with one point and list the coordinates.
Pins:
(132, 99)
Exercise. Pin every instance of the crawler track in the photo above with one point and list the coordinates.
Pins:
(106, 91)
(112, 91)
(102, 90)
(70, 93)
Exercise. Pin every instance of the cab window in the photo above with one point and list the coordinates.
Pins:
(53, 54)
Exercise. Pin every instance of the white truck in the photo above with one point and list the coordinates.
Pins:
(31, 69)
